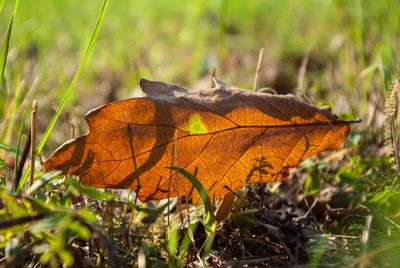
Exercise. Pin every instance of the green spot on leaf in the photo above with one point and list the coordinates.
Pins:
(196, 125)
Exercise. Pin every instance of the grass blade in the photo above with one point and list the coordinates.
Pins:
(7, 147)
(72, 85)
(6, 42)
(1, 5)
(39, 183)
(172, 243)
(4, 50)
(91, 192)
(209, 218)
(70, 88)
(186, 241)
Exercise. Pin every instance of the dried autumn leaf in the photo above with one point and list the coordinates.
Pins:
(225, 136)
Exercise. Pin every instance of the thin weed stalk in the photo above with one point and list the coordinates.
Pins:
(33, 141)
(19, 166)
(301, 77)
(213, 75)
(260, 56)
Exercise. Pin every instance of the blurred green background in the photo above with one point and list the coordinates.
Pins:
(181, 42)
(345, 45)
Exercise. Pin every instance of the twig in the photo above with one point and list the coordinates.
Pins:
(301, 77)
(365, 233)
(72, 130)
(309, 208)
(247, 262)
(33, 141)
(213, 75)
(21, 220)
(260, 56)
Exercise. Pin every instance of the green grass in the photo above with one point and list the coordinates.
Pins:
(352, 49)
(209, 218)
(6, 42)
(69, 90)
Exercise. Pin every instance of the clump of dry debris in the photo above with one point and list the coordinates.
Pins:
(266, 230)
(273, 229)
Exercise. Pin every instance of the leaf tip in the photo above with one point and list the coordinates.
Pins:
(144, 82)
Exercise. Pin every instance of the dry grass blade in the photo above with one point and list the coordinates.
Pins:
(260, 56)
(33, 141)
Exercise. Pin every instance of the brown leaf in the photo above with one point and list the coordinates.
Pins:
(225, 207)
(225, 136)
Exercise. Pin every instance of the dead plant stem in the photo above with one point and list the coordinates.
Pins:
(260, 56)
(33, 140)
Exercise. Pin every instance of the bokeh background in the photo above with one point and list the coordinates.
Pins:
(348, 49)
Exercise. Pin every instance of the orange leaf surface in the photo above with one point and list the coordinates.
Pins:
(224, 136)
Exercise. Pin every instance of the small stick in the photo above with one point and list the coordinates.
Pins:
(365, 237)
(214, 72)
(33, 140)
(72, 132)
(260, 56)
(301, 76)
(366, 231)
(230, 190)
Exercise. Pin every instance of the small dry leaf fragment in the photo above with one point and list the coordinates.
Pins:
(225, 136)
(225, 207)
